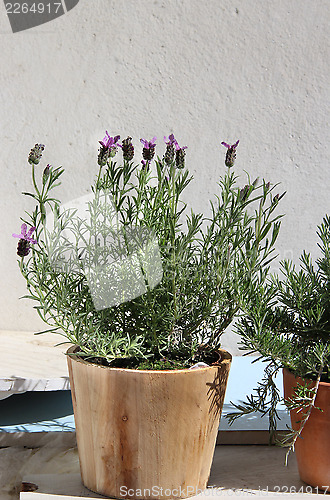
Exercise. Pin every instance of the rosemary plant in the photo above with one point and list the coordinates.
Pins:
(287, 323)
(137, 278)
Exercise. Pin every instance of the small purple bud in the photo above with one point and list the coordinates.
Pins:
(244, 192)
(45, 174)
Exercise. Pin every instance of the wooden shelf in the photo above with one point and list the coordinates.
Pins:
(31, 362)
(237, 471)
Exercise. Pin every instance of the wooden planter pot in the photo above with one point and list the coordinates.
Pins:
(313, 448)
(146, 434)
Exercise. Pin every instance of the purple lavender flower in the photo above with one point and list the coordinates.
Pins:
(231, 153)
(170, 152)
(108, 148)
(110, 142)
(148, 151)
(171, 140)
(179, 155)
(178, 148)
(127, 148)
(26, 235)
(25, 240)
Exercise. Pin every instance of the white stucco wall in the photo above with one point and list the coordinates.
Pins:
(219, 70)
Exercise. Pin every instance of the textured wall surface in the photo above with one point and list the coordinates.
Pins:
(257, 71)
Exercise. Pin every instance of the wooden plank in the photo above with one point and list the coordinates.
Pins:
(243, 471)
(31, 362)
(49, 486)
(47, 496)
(70, 488)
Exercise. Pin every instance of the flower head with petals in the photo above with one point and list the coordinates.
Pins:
(148, 150)
(25, 240)
(26, 235)
(232, 146)
(110, 142)
(171, 140)
(149, 144)
(178, 148)
(231, 153)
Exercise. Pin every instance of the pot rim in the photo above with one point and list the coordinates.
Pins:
(321, 383)
(225, 359)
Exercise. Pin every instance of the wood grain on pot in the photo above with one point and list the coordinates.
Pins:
(149, 430)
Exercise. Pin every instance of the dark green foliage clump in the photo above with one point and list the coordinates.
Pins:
(288, 324)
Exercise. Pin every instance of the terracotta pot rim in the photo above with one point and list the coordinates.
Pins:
(321, 383)
(225, 358)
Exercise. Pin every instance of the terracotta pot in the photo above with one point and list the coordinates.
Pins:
(146, 434)
(313, 448)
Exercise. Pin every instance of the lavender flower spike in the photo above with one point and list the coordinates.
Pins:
(148, 150)
(127, 149)
(231, 153)
(36, 154)
(108, 148)
(170, 152)
(25, 240)
(179, 155)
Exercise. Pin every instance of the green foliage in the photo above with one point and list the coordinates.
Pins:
(287, 323)
(210, 264)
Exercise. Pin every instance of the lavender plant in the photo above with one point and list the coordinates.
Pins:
(200, 273)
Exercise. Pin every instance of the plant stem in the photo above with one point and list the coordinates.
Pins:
(34, 181)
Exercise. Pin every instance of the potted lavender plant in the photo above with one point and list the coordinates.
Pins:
(143, 289)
